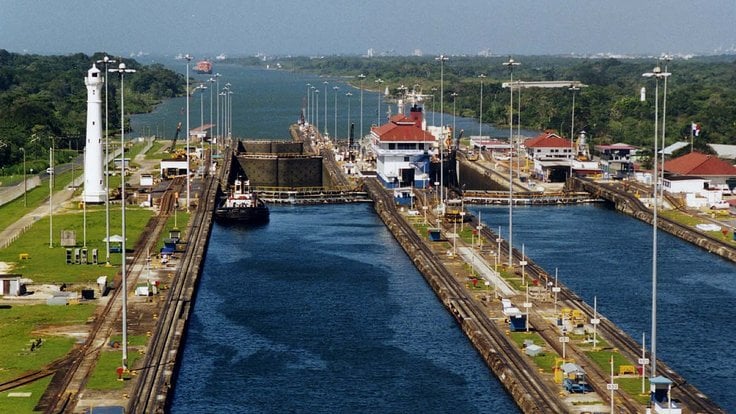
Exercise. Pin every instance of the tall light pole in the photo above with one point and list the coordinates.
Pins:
(25, 184)
(188, 59)
(656, 73)
(107, 61)
(574, 89)
(221, 118)
(316, 99)
(348, 95)
(442, 59)
(334, 132)
(229, 118)
(480, 111)
(511, 63)
(665, 75)
(217, 108)
(211, 81)
(308, 114)
(454, 113)
(51, 194)
(379, 82)
(122, 70)
(361, 77)
(434, 90)
(201, 88)
(327, 134)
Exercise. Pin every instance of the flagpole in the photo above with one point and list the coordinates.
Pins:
(692, 134)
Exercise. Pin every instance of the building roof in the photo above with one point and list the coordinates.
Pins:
(402, 129)
(616, 146)
(547, 140)
(696, 163)
(674, 147)
(724, 151)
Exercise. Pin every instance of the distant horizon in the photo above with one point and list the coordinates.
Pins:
(329, 28)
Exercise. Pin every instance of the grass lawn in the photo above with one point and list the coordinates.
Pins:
(19, 325)
(104, 376)
(19, 405)
(544, 360)
(48, 265)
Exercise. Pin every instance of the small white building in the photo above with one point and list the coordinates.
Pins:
(11, 285)
(551, 155)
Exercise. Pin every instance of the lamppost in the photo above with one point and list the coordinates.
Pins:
(334, 132)
(217, 108)
(316, 99)
(211, 81)
(107, 61)
(221, 119)
(442, 59)
(511, 63)
(379, 82)
(122, 70)
(308, 115)
(361, 77)
(574, 89)
(480, 111)
(454, 113)
(348, 95)
(665, 75)
(327, 134)
(315, 116)
(25, 184)
(656, 73)
(188, 59)
(201, 88)
(229, 117)
(433, 92)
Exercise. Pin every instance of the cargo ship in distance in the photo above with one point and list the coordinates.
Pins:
(242, 206)
(203, 67)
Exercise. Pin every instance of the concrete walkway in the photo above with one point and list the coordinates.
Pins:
(482, 267)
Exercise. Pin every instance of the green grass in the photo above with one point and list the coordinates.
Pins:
(133, 340)
(104, 376)
(603, 360)
(48, 265)
(17, 328)
(155, 152)
(545, 360)
(632, 386)
(19, 405)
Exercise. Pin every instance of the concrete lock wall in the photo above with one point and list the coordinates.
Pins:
(300, 172)
(273, 147)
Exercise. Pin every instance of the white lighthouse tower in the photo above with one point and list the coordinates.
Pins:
(94, 188)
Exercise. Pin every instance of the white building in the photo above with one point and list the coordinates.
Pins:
(402, 147)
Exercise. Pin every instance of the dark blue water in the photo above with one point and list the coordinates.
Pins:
(320, 311)
(600, 252)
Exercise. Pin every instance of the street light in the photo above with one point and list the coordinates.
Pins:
(656, 73)
(308, 115)
(122, 70)
(25, 184)
(454, 113)
(211, 81)
(574, 89)
(349, 94)
(334, 132)
(480, 111)
(511, 63)
(217, 109)
(665, 75)
(327, 134)
(107, 61)
(201, 88)
(379, 81)
(188, 59)
(361, 77)
(442, 59)
(433, 92)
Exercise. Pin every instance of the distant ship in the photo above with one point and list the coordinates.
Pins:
(203, 67)
(221, 56)
(242, 206)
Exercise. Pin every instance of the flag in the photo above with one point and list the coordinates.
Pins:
(695, 128)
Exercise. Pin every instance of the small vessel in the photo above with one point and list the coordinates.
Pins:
(203, 67)
(242, 206)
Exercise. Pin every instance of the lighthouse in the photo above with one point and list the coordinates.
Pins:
(94, 188)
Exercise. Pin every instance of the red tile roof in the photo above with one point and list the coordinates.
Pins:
(402, 129)
(547, 140)
(696, 163)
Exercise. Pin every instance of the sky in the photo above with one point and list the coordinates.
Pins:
(332, 27)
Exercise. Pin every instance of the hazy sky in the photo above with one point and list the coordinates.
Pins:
(310, 27)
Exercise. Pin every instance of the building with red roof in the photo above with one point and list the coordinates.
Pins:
(696, 164)
(552, 156)
(402, 147)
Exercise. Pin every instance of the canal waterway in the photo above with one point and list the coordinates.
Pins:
(280, 307)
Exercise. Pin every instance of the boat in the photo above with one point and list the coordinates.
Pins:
(242, 206)
(203, 67)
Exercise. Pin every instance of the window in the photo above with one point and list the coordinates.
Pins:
(406, 159)
(391, 146)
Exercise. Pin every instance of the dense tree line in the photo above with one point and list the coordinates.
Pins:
(701, 90)
(43, 101)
